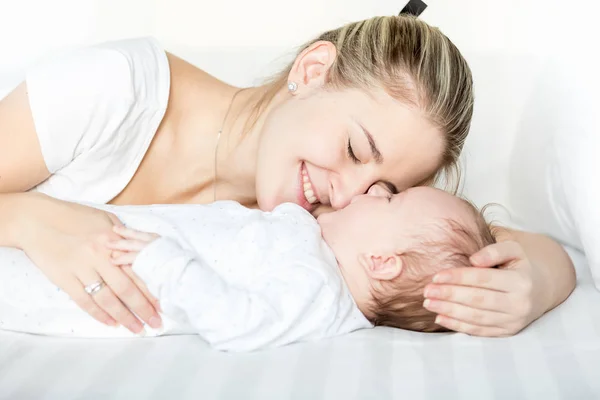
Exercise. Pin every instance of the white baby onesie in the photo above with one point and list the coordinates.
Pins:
(242, 279)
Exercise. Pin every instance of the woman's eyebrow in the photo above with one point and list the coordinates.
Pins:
(374, 150)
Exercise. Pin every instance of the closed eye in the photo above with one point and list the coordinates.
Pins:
(391, 187)
(351, 154)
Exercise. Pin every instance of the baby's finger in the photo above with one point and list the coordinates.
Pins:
(469, 329)
(129, 233)
(117, 253)
(501, 280)
(473, 297)
(116, 221)
(127, 245)
(125, 259)
(467, 314)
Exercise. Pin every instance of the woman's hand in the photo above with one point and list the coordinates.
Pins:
(486, 301)
(68, 243)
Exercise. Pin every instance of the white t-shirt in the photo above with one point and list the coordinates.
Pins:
(240, 278)
(96, 111)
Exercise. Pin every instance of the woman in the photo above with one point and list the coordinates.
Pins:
(382, 104)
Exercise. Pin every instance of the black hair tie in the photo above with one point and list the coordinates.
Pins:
(414, 7)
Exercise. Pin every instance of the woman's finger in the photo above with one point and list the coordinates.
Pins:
(128, 293)
(127, 245)
(83, 300)
(498, 254)
(487, 278)
(473, 297)
(129, 233)
(106, 299)
(125, 259)
(470, 329)
(467, 314)
(142, 286)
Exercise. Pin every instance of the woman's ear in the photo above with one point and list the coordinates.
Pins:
(311, 66)
(382, 268)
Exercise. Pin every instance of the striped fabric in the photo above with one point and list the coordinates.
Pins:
(558, 357)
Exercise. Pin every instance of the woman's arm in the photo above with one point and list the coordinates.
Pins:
(535, 275)
(65, 240)
(22, 165)
(9, 214)
(551, 261)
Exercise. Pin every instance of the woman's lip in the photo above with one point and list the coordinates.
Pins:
(303, 167)
(301, 197)
(302, 202)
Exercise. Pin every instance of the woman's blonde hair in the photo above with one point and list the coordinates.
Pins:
(414, 63)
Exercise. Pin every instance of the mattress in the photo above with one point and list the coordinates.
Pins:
(558, 357)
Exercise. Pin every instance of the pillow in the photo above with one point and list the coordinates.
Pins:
(553, 184)
(574, 177)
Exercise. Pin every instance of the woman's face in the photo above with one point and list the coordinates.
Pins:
(328, 146)
(321, 147)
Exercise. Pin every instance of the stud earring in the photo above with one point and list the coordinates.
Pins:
(292, 86)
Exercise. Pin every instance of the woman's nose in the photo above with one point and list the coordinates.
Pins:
(345, 192)
(342, 195)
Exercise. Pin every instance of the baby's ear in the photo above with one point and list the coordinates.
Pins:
(382, 268)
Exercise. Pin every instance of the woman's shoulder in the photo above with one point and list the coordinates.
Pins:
(95, 111)
(132, 69)
(142, 60)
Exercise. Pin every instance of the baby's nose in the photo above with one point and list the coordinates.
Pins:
(378, 190)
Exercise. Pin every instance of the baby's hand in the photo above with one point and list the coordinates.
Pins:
(127, 249)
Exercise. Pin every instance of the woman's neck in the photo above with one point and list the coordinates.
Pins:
(197, 106)
(238, 145)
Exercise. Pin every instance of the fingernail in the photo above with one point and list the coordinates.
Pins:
(477, 260)
(437, 320)
(136, 328)
(432, 292)
(155, 322)
(441, 278)
(426, 303)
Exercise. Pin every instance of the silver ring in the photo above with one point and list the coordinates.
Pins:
(94, 287)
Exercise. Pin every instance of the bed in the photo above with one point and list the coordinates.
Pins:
(558, 357)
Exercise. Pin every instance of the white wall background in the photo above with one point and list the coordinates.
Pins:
(517, 50)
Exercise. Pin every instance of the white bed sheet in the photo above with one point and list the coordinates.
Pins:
(558, 357)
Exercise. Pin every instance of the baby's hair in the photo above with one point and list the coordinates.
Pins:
(404, 307)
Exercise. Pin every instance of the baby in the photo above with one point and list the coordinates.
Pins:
(245, 279)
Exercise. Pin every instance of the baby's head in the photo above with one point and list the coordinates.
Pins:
(389, 248)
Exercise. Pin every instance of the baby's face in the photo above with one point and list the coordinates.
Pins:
(373, 229)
